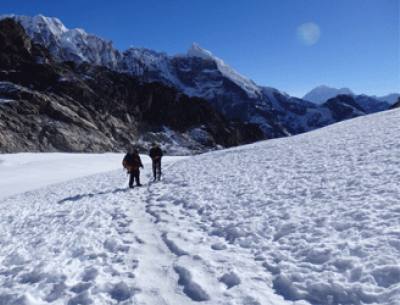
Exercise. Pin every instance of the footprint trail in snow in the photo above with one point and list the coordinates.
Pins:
(311, 219)
(94, 241)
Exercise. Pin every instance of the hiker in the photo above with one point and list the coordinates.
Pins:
(132, 163)
(156, 155)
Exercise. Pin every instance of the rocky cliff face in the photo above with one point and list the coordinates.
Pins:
(47, 105)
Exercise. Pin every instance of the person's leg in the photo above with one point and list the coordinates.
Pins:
(154, 164)
(159, 169)
(137, 177)
(131, 179)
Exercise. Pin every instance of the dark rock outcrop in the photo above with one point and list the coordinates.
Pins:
(343, 107)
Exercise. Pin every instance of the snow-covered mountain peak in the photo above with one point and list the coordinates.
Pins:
(68, 44)
(322, 93)
(39, 23)
(252, 90)
(323, 88)
(79, 46)
(196, 51)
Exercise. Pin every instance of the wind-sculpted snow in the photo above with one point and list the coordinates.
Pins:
(310, 219)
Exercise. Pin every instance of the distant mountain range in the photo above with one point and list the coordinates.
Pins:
(321, 94)
(222, 107)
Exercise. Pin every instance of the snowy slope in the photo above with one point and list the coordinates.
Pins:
(28, 171)
(312, 218)
(319, 211)
(93, 241)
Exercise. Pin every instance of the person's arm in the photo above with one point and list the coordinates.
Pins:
(124, 161)
(140, 161)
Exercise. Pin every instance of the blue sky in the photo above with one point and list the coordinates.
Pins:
(344, 43)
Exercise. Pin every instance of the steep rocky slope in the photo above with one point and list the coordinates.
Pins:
(46, 105)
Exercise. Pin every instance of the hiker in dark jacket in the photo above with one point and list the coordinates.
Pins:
(133, 163)
(156, 155)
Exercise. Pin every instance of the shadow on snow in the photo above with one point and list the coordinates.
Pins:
(90, 195)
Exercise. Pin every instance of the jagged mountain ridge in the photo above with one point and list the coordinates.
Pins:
(198, 73)
(323, 93)
(46, 105)
(78, 46)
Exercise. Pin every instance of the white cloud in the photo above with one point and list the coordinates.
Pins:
(308, 33)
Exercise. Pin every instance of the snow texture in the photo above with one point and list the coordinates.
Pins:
(309, 219)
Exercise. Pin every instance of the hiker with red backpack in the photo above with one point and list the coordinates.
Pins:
(132, 163)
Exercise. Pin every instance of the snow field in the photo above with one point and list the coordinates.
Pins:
(310, 219)
(320, 211)
(28, 171)
(94, 241)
